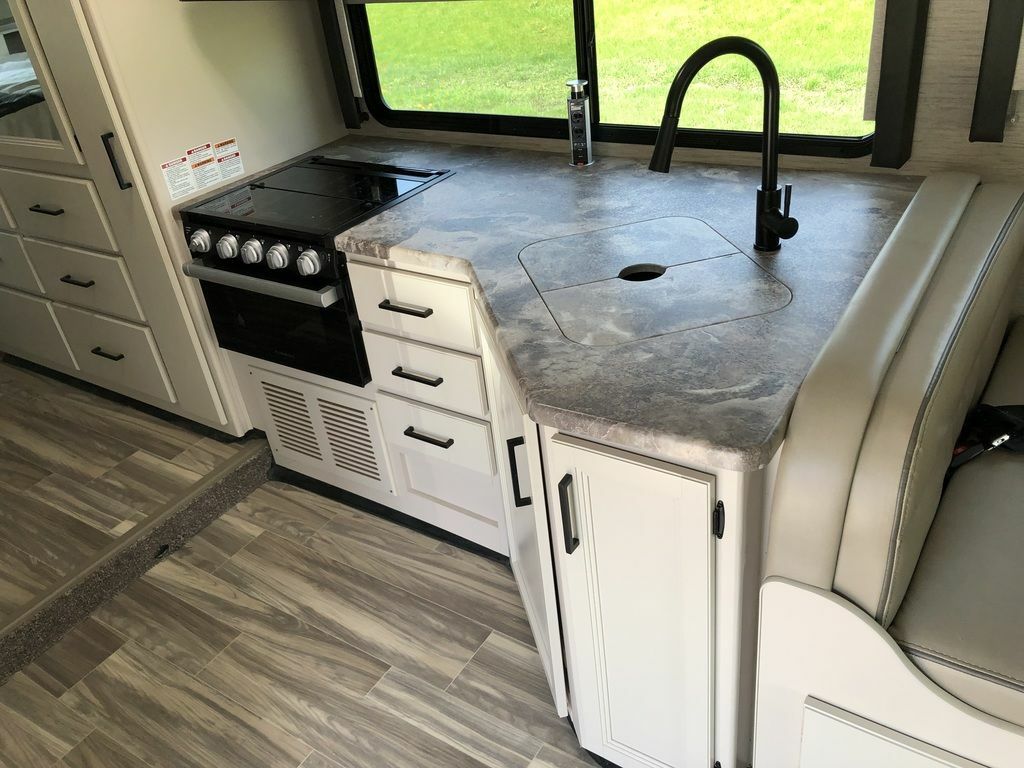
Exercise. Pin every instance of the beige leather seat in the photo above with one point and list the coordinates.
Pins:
(859, 506)
(962, 620)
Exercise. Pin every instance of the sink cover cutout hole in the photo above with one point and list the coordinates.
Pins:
(638, 273)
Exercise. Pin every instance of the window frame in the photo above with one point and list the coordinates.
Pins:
(557, 128)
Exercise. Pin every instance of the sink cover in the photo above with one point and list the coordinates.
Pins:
(649, 278)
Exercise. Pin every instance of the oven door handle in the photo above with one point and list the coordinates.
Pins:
(325, 297)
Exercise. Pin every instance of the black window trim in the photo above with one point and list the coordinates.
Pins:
(557, 128)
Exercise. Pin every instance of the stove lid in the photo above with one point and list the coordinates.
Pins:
(319, 196)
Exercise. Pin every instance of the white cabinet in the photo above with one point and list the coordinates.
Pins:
(529, 541)
(445, 471)
(634, 552)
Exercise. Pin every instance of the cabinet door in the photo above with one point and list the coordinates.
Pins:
(528, 537)
(635, 561)
(33, 122)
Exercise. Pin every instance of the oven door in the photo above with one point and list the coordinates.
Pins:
(309, 330)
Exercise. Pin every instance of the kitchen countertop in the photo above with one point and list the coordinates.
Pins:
(634, 364)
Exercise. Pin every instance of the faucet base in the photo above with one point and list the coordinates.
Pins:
(766, 241)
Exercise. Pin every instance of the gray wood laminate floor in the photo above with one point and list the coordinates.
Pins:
(293, 631)
(77, 471)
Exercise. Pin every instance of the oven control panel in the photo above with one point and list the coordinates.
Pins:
(262, 255)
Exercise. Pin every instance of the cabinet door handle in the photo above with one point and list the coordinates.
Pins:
(520, 500)
(446, 444)
(405, 309)
(98, 351)
(404, 374)
(78, 283)
(107, 138)
(46, 211)
(564, 502)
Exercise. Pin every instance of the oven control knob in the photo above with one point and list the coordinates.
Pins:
(199, 242)
(227, 247)
(278, 256)
(308, 263)
(252, 252)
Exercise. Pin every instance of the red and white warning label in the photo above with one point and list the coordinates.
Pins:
(204, 165)
(178, 176)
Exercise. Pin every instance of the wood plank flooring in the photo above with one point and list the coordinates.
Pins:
(77, 471)
(296, 632)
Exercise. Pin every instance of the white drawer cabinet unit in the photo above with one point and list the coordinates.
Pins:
(91, 238)
(635, 557)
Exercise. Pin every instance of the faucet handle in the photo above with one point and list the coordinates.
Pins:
(787, 199)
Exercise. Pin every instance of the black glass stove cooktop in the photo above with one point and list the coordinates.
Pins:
(318, 197)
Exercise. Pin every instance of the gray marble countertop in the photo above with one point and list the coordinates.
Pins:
(700, 366)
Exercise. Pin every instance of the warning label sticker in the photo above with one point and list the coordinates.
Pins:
(229, 159)
(178, 176)
(202, 166)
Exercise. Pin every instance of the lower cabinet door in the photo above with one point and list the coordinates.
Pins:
(529, 541)
(115, 354)
(445, 470)
(29, 329)
(634, 554)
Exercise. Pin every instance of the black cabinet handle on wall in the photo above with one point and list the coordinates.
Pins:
(446, 444)
(78, 283)
(520, 500)
(107, 138)
(98, 351)
(564, 487)
(404, 374)
(46, 211)
(405, 309)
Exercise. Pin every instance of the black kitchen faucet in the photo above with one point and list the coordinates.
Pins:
(771, 223)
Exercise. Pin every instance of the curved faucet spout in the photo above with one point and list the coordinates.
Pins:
(707, 53)
(771, 222)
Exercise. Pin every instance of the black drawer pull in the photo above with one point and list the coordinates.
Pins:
(520, 500)
(77, 283)
(403, 374)
(47, 211)
(405, 309)
(571, 542)
(106, 138)
(446, 444)
(98, 351)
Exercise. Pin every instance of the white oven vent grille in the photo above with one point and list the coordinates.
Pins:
(322, 432)
(291, 420)
(350, 440)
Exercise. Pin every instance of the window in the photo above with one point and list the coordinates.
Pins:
(475, 56)
(499, 66)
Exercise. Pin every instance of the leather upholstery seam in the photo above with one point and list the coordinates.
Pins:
(962, 665)
(925, 411)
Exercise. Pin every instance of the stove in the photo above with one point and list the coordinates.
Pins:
(275, 286)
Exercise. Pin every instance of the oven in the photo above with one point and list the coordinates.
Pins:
(275, 286)
(312, 329)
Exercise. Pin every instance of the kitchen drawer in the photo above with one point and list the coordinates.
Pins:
(29, 329)
(84, 278)
(57, 208)
(425, 308)
(440, 435)
(451, 380)
(15, 269)
(116, 354)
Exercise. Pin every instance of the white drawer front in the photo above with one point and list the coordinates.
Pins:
(84, 278)
(426, 308)
(116, 354)
(452, 380)
(426, 430)
(15, 270)
(29, 329)
(57, 208)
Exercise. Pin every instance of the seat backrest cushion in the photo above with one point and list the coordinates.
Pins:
(834, 404)
(935, 377)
